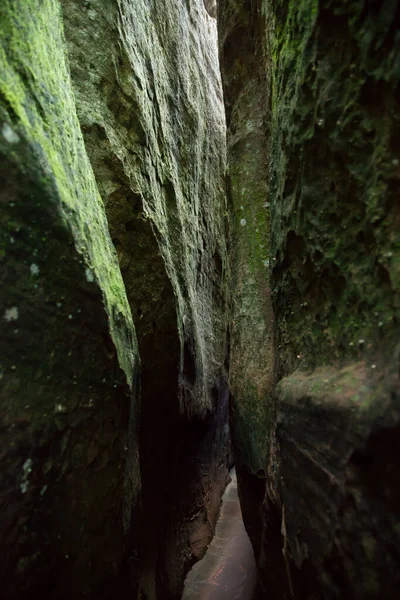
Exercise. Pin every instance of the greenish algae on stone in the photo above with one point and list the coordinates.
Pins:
(334, 179)
(330, 120)
(69, 354)
(251, 321)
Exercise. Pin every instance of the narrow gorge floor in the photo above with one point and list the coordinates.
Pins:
(228, 569)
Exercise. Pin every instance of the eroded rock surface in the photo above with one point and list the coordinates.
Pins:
(141, 138)
(70, 473)
(327, 75)
(149, 99)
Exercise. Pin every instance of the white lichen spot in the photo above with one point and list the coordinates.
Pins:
(89, 275)
(24, 487)
(11, 314)
(12, 240)
(9, 134)
(395, 162)
(69, 316)
(59, 304)
(361, 342)
(34, 269)
(27, 466)
(241, 207)
(266, 262)
(43, 490)
(373, 366)
(243, 222)
(26, 471)
(266, 205)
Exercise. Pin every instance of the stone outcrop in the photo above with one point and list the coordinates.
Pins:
(327, 75)
(251, 375)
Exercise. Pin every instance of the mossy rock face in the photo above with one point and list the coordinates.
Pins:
(69, 354)
(334, 184)
(251, 321)
(330, 118)
(334, 180)
(149, 100)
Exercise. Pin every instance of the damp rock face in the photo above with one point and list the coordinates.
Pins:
(326, 524)
(149, 99)
(113, 146)
(251, 375)
(69, 366)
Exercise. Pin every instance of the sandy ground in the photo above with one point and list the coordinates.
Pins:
(228, 569)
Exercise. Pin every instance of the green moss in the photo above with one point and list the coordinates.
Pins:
(36, 93)
(333, 179)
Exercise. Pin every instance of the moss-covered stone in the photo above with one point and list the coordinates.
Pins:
(334, 179)
(252, 347)
(328, 75)
(69, 354)
(149, 98)
(149, 101)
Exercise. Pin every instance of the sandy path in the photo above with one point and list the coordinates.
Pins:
(228, 568)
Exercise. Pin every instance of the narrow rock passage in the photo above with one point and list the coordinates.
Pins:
(228, 569)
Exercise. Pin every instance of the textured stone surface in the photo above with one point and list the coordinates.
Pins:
(68, 346)
(148, 97)
(338, 436)
(149, 100)
(329, 114)
(251, 321)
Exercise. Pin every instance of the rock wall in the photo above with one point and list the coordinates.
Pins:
(69, 352)
(328, 74)
(149, 99)
(140, 137)
(251, 341)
